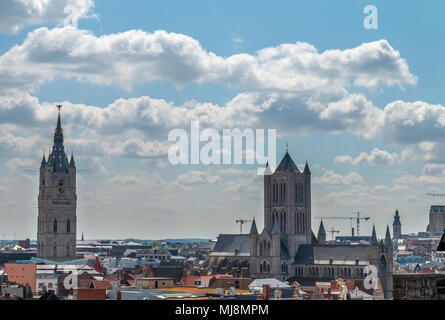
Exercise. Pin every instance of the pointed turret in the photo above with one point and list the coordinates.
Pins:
(253, 229)
(321, 231)
(267, 171)
(374, 241)
(72, 163)
(321, 236)
(43, 164)
(306, 169)
(276, 228)
(388, 241)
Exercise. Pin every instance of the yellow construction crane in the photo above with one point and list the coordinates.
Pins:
(241, 222)
(357, 218)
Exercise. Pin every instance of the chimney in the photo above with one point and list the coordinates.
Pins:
(266, 291)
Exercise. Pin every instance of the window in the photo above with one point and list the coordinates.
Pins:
(55, 249)
(68, 226)
(68, 250)
(55, 226)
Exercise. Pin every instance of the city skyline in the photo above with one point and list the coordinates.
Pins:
(363, 107)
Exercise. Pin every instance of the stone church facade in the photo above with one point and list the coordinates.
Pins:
(57, 203)
(287, 249)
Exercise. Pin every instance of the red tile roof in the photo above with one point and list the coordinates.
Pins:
(102, 284)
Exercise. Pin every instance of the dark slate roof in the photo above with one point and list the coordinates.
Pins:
(253, 229)
(321, 231)
(169, 272)
(309, 254)
(231, 242)
(284, 253)
(287, 165)
(276, 228)
(313, 238)
(305, 254)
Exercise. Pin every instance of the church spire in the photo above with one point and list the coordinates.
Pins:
(43, 164)
(253, 229)
(321, 230)
(58, 133)
(374, 237)
(388, 241)
(72, 163)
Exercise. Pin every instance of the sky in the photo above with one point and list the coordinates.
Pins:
(362, 106)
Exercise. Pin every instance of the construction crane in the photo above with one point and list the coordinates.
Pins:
(357, 218)
(332, 232)
(241, 222)
(435, 194)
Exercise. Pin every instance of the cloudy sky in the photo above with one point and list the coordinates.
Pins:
(363, 107)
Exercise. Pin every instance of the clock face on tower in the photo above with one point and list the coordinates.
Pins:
(61, 191)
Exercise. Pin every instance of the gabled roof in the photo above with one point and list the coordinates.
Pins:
(287, 165)
(228, 243)
(339, 253)
(272, 282)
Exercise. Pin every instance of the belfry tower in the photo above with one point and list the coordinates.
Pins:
(57, 203)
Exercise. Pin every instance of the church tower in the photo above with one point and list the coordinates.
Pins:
(57, 203)
(287, 204)
(396, 226)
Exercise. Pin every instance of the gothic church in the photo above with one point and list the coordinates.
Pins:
(287, 249)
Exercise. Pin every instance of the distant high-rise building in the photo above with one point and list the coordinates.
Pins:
(396, 226)
(57, 203)
(437, 219)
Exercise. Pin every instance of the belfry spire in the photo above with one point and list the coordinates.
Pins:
(58, 133)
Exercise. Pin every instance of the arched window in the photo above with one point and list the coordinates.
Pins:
(55, 225)
(68, 226)
(55, 249)
(68, 250)
(284, 192)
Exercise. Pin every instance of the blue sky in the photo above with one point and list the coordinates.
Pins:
(402, 142)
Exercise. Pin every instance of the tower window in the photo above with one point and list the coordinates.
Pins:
(55, 226)
(68, 226)
(55, 249)
(68, 250)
